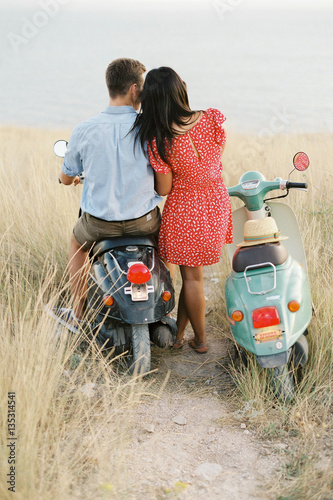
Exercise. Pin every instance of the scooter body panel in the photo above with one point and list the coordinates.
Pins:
(291, 284)
(132, 303)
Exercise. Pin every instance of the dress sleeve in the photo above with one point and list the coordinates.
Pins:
(156, 162)
(218, 120)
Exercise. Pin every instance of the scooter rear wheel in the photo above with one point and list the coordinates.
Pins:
(140, 350)
(300, 351)
(283, 382)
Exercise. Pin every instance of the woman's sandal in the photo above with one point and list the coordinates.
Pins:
(178, 344)
(199, 347)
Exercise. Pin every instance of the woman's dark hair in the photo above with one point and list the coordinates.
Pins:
(164, 104)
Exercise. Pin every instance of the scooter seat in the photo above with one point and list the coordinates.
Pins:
(274, 253)
(122, 241)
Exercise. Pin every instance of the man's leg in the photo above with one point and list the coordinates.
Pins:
(79, 265)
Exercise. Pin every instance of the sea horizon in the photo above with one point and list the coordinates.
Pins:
(267, 70)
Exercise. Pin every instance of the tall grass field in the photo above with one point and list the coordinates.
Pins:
(58, 442)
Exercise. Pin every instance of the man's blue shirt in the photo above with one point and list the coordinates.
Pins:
(119, 181)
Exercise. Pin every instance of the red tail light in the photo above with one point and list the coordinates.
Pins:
(138, 273)
(265, 316)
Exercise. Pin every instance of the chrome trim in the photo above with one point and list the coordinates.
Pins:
(248, 278)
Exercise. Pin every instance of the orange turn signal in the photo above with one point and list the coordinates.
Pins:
(108, 300)
(294, 306)
(166, 296)
(237, 316)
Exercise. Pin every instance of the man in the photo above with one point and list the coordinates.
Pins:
(118, 196)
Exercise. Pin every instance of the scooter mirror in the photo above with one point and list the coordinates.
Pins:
(60, 147)
(301, 161)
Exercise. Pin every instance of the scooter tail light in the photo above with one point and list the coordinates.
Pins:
(108, 300)
(265, 316)
(138, 273)
(294, 306)
(166, 296)
(237, 316)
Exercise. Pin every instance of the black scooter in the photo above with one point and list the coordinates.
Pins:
(130, 294)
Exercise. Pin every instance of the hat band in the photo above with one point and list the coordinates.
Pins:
(263, 237)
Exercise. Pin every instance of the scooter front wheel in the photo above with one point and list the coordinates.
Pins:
(283, 382)
(141, 355)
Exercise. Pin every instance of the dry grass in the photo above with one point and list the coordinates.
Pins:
(70, 445)
(71, 406)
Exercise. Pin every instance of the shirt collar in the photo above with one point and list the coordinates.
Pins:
(119, 109)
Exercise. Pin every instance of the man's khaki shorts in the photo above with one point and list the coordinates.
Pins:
(89, 229)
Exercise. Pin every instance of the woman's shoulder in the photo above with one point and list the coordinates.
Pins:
(215, 113)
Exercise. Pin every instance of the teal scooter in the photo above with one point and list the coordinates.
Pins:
(267, 293)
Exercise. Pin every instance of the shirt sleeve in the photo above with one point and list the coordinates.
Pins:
(218, 120)
(72, 164)
(158, 165)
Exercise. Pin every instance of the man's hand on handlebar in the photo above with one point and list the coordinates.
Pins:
(65, 179)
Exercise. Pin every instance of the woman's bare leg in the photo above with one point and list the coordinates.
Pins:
(172, 269)
(191, 306)
(182, 316)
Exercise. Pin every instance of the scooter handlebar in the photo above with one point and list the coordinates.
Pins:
(296, 185)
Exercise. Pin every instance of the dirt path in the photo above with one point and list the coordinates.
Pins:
(189, 444)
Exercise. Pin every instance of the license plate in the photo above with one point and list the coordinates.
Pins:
(139, 292)
(268, 336)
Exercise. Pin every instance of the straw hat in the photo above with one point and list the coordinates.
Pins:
(259, 231)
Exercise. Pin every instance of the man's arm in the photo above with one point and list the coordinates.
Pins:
(72, 165)
(65, 179)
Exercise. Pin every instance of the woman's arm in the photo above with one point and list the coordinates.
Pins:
(223, 145)
(163, 183)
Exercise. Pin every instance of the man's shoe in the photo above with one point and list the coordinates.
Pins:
(65, 317)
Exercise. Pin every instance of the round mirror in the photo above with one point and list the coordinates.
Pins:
(301, 161)
(60, 147)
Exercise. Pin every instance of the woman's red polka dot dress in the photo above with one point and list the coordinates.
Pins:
(196, 219)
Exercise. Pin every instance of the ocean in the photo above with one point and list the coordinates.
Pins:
(269, 70)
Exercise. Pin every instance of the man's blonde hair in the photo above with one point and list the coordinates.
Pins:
(121, 74)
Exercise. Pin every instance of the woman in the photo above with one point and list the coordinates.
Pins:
(185, 149)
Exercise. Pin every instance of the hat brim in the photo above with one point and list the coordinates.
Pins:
(261, 242)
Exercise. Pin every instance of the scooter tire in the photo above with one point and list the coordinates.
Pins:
(283, 383)
(300, 352)
(161, 335)
(140, 358)
(243, 356)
